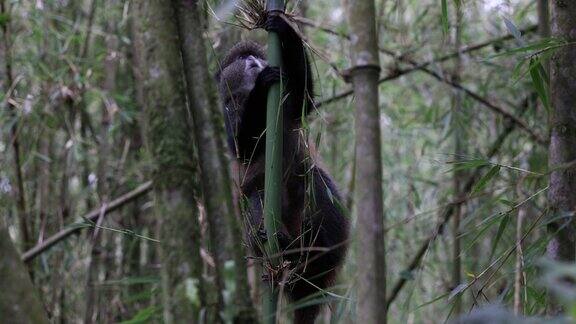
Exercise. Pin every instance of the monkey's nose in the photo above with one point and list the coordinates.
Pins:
(254, 62)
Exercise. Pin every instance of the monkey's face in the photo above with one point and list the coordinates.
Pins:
(254, 65)
(236, 81)
(239, 77)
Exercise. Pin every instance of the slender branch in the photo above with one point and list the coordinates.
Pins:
(92, 215)
(449, 211)
(422, 67)
(497, 109)
(467, 49)
(459, 151)
(519, 273)
(463, 50)
(311, 23)
(393, 75)
(455, 84)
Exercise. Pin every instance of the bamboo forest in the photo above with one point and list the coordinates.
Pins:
(287, 161)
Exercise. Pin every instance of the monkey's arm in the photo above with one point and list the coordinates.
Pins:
(253, 120)
(296, 68)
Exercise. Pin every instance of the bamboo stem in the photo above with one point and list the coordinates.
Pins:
(273, 169)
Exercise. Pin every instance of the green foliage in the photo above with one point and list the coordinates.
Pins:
(4, 19)
(540, 81)
(143, 316)
(444, 17)
(501, 230)
(59, 96)
(534, 54)
(483, 182)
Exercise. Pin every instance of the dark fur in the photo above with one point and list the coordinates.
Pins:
(311, 214)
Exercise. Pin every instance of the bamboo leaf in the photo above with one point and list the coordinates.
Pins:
(507, 202)
(544, 45)
(143, 316)
(485, 227)
(537, 296)
(444, 17)
(503, 223)
(481, 184)
(538, 81)
(517, 73)
(468, 164)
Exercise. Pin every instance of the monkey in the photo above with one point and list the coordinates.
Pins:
(313, 220)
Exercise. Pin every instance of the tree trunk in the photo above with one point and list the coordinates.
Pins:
(544, 26)
(543, 18)
(175, 173)
(562, 155)
(370, 223)
(208, 130)
(6, 83)
(19, 302)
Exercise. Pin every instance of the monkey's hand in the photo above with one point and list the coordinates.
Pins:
(275, 23)
(283, 239)
(269, 76)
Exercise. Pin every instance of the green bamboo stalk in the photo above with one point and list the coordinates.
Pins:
(368, 193)
(273, 169)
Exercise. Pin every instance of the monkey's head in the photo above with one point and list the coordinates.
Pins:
(239, 70)
(236, 79)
